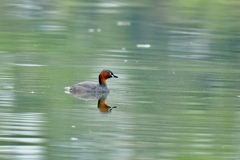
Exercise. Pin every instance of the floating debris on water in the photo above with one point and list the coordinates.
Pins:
(74, 139)
(90, 30)
(124, 23)
(143, 45)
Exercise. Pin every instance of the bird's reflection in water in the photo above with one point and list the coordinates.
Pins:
(101, 97)
(103, 107)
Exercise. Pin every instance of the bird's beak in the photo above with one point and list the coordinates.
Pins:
(115, 76)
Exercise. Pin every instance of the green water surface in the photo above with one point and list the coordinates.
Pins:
(177, 95)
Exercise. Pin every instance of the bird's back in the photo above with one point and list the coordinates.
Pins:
(88, 87)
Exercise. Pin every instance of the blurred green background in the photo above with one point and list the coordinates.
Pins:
(177, 94)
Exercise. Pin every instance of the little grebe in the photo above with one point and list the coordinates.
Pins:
(94, 87)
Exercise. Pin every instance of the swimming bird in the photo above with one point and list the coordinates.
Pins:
(88, 86)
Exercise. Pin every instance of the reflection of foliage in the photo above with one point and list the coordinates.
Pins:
(193, 85)
(51, 27)
(218, 16)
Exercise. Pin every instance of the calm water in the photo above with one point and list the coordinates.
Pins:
(177, 96)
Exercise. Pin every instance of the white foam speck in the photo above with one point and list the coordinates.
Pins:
(143, 45)
(124, 23)
(74, 139)
(90, 30)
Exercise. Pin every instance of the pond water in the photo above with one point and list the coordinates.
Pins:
(177, 96)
